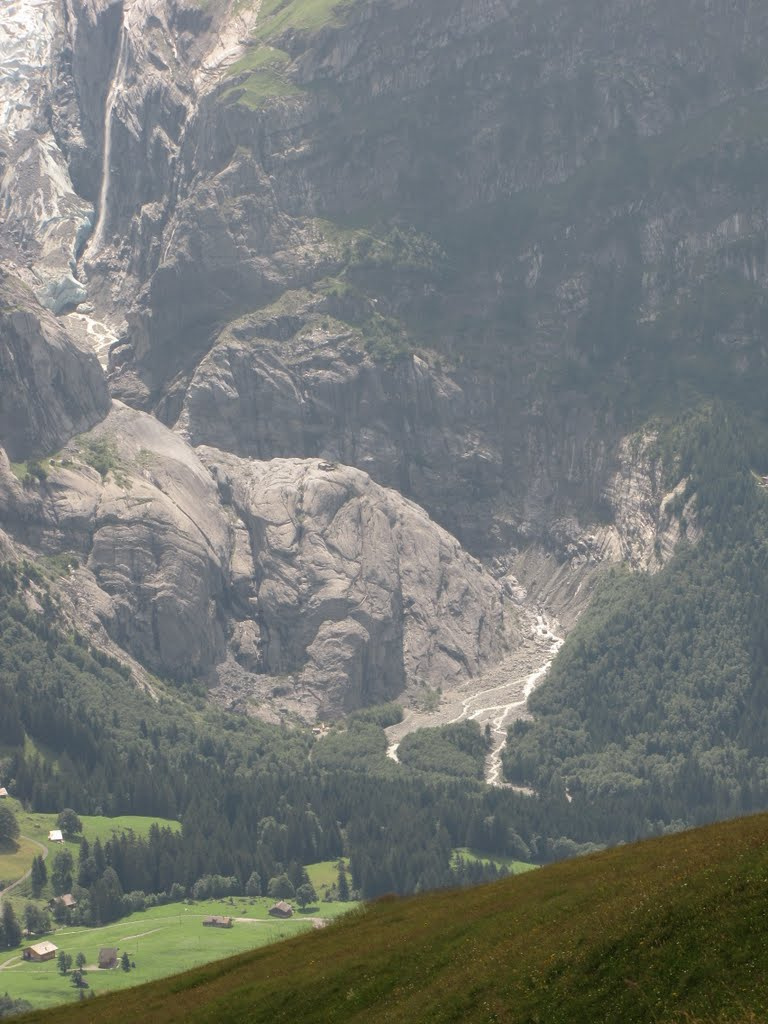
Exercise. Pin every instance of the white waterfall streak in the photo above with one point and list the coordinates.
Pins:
(115, 88)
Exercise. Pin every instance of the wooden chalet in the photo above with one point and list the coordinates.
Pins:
(66, 900)
(40, 951)
(107, 958)
(215, 921)
(3, 792)
(281, 909)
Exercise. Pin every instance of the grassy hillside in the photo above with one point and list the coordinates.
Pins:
(669, 930)
(160, 941)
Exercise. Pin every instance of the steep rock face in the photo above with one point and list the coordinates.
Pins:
(293, 380)
(641, 528)
(463, 247)
(542, 202)
(45, 220)
(132, 504)
(358, 592)
(49, 388)
(287, 581)
(553, 167)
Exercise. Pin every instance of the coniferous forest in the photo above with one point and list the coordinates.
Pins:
(251, 797)
(654, 714)
(652, 719)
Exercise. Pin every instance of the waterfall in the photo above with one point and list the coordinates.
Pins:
(115, 88)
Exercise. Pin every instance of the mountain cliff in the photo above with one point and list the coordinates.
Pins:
(340, 259)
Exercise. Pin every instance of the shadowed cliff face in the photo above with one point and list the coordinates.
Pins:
(508, 226)
(50, 388)
(462, 251)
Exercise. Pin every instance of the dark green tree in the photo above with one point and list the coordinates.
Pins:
(106, 898)
(69, 823)
(36, 920)
(342, 883)
(305, 894)
(9, 826)
(64, 962)
(11, 926)
(125, 962)
(39, 875)
(13, 1007)
(280, 888)
(253, 885)
(61, 876)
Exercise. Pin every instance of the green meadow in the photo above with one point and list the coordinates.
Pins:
(515, 867)
(35, 827)
(161, 940)
(324, 874)
(672, 931)
(15, 861)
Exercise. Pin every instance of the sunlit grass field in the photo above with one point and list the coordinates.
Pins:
(516, 867)
(34, 827)
(670, 931)
(161, 941)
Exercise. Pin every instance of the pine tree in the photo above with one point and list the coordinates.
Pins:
(11, 926)
(9, 826)
(61, 877)
(39, 875)
(342, 883)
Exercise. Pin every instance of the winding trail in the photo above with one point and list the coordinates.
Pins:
(25, 876)
(496, 698)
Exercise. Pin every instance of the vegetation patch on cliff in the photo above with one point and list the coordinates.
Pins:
(259, 75)
(279, 16)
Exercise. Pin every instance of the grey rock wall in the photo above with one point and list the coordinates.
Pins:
(50, 389)
(291, 575)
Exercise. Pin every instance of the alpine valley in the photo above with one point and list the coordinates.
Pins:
(383, 431)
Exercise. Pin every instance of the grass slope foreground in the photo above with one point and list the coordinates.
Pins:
(671, 931)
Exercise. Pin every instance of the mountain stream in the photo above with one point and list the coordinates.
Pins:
(496, 698)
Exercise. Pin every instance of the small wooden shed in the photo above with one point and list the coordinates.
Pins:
(107, 958)
(40, 951)
(281, 909)
(216, 921)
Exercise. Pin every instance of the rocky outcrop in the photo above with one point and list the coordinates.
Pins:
(50, 388)
(294, 380)
(358, 593)
(44, 218)
(645, 518)
(293, 581)
(537, 236)
(138, 513)
(449, 249)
